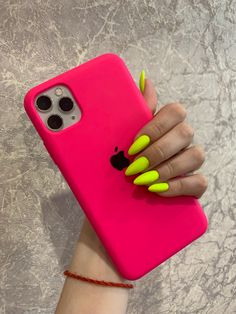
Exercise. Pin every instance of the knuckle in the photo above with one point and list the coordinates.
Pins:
(198, 154)
(186, 130)
(161, 153)
(179, 185)
(170, 170)
(157, 129)
(155, 150)
(179, 111)
(202, 182)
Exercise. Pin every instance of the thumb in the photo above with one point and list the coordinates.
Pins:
(148, 90)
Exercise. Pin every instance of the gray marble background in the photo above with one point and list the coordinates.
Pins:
(188, 48)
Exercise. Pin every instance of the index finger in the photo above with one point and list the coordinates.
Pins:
(166, 118)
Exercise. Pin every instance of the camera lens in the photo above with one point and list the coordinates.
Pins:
(66, 104)
(43, 103)
(55, 122)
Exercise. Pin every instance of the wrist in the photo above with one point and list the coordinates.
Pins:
(91, 259)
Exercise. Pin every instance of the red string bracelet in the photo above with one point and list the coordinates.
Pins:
(98, 282)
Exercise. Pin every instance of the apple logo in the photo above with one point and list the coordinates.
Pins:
(119, 161)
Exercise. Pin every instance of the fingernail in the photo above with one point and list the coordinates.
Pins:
(142, 81)
(137, 166)
(139, 144)
(147, 177)
(158, 187)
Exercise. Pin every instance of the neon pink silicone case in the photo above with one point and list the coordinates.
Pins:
(139, 229)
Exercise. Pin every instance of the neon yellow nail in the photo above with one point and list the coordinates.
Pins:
(159, 187)
(137, 166)
(142, 81)
(147, 177)
(139, 144)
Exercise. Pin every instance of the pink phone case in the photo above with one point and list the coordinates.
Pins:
(139, 229)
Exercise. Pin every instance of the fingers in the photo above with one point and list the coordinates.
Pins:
(165, 119)
(194, 185)
(163, 159)
(186, 161)
(168, 145)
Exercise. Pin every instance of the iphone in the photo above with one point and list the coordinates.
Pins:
(87, 119)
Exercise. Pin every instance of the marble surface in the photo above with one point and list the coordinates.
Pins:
(188, 48)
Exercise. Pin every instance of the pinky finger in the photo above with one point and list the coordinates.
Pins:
(194, 185)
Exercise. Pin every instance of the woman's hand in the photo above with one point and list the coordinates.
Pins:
(164, 160)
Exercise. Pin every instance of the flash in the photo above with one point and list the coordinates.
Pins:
(58, 91)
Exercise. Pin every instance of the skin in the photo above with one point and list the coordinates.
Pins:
(170, 153)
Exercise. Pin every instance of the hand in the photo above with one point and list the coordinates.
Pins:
(165, 160)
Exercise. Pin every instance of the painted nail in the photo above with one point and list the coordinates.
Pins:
(159, 187)
(146, 177)
(139, 144)
(142, 81)
(137, 166)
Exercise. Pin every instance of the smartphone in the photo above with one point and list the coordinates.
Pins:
(87, 118)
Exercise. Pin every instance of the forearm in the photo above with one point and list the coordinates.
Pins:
(91, 260)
